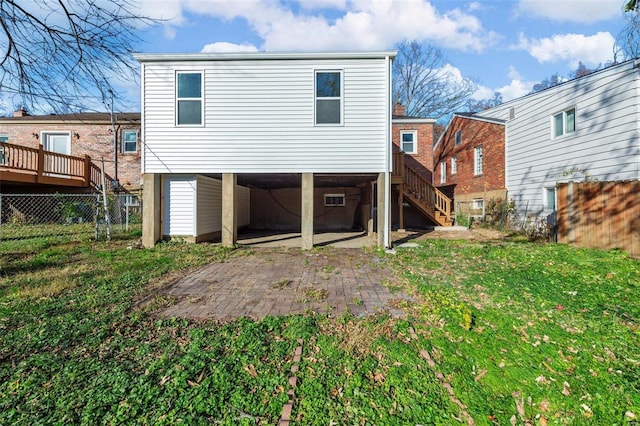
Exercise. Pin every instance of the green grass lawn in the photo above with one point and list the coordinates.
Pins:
(501, 332)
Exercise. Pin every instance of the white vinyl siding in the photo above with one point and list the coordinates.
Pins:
(179, 206)
(604, 146)
(193, 205)
(259, 118)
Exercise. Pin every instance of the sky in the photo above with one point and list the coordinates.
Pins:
(504, 46)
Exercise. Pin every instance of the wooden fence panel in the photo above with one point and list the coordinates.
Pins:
(600, 215)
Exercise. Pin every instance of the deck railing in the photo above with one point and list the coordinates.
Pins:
(420, 187)
(45, 165)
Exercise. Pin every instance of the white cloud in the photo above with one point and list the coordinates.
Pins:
(570, 48)
(483, 92)
(515, 89)
(513, 73)
(224, 47)
(581, 11)
(352, 24)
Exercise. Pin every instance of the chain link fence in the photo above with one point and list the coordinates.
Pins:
(40, 215)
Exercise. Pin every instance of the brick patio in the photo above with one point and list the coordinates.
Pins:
(260, 282)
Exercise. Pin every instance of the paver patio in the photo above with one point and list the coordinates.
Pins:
(280, 281)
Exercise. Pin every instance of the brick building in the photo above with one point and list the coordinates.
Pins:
(414, 136)
(469, 161)
(83, 134)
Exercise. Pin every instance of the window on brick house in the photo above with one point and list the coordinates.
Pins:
(443, 172)
(458, 137)
(4, 137)
(129, 141)
(477, 160)
(189, 98)
(454, 165)
(408, 141)
(328, 97)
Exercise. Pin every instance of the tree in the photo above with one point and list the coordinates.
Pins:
(62, 54)
(627, 45)
(425, 83)
(474, 105)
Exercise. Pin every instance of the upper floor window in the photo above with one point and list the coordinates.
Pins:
(443, 172)
(408, 139)
(4, 137)
(129, 141)
(454, 165)
(458, 137)
(328, 97)
(564, 122)
(477, 160)
(188, 98)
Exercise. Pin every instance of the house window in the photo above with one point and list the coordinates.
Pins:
(478, 203)
(129, 141)
(550, 198)
(458, 137)
(443, 172)
(408, 140)
(4, 137)
(328, 97)
(131, 201)
(454, 165)
(477, 160)
(188, 98)
(564, 122)
(334, 200)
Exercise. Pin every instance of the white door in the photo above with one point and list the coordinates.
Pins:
(57, 142)
(60, 143)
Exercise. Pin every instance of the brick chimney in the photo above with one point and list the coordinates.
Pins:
(20, 113)
(398, 109)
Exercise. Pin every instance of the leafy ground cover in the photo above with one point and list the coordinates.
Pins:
(501, 332)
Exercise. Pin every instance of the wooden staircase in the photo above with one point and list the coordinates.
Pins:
(420, 193)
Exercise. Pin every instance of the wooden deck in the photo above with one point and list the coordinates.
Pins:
(20, 164)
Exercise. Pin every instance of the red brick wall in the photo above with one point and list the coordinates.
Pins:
(422, 160)
(490, 136)
(95, 140)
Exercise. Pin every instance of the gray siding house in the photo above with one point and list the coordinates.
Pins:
(582, 129)
(218, 129)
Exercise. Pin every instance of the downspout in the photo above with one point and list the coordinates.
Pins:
(387, 175)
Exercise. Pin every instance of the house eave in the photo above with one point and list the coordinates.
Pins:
(252, 56)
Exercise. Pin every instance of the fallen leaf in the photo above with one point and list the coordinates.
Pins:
(559, 307)
(630, 415)
(251, 370)
(542, 380)
(480, 375)
(542, 421)
(565, 389)
(587, 410)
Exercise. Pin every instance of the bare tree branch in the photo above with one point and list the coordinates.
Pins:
(627, 44)
(425, 83)
(62, 54)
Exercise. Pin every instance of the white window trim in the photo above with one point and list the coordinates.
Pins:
(123, 141)
(415, 140)
(315, 97)
(443, 172)
(327, 196)
(45, 134)
(564, 123)
(478, 170)
(545, 198)
(201, 98)
(454, 165)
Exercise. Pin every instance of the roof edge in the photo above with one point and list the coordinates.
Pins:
(237, 56)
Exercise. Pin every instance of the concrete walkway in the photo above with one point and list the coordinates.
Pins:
(257, 282)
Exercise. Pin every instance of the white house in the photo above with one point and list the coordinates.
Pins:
(229, 137)
(586, 128)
